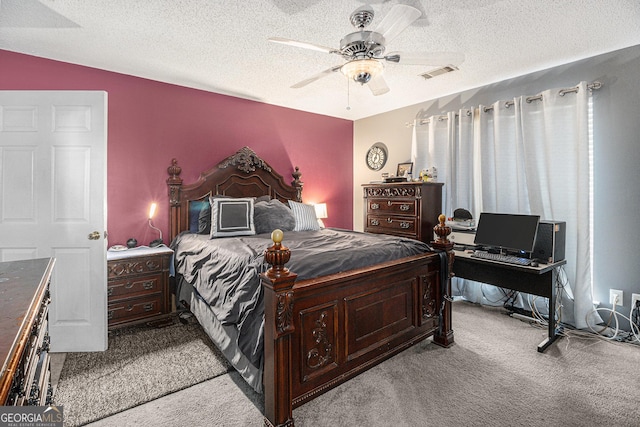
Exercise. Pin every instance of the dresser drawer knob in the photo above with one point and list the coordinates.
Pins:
(405, 224)
(375, 206)
(389, 220)
(110, 315)
(148, 285)
(109, 292)
(129, 307)
(375, 222)
(129, 285)
(389, 202)
(405, 207)
(148, 306)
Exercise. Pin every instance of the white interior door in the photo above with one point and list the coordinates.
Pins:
(53, 147)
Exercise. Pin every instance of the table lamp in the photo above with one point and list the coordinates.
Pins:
(321, 212)
(157, 241)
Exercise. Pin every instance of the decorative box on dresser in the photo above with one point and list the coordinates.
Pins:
(408, 209)
(138, 285)
(25, 378)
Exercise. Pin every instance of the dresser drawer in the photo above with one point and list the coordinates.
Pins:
(134, 309)
(390, 206)
(391, 225)
(134, 286)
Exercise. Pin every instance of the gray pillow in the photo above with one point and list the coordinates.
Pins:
(267, 216)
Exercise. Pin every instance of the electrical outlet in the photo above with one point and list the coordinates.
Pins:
(634, 298)
(612, 296)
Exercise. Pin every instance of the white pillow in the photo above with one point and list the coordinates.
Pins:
(305, 215)
(231, 217)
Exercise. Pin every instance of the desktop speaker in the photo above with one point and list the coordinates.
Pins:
(549, 243)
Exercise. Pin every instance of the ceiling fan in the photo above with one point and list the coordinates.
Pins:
(364, 50)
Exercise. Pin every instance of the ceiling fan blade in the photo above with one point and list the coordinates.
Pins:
(303, 45)
(399, 17)
(316, 77)
(378, 85)
(425, 58)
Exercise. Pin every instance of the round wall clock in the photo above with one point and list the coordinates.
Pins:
(376, 156)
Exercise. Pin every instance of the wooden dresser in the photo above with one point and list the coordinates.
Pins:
(138, 285)
(408, 209)
(24, 335)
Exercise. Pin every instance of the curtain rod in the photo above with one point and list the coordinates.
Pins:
(591, 86)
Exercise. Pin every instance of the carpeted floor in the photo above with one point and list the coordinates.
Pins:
(141, 364)
(492, 376)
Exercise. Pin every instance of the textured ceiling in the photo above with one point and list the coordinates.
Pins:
(221, 45)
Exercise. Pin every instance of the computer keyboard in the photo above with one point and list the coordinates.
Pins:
(509, 259)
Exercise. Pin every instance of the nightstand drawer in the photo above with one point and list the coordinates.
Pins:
(397, 207)
(391, 224)
(134, 286)
(135, 266)
(134, 309)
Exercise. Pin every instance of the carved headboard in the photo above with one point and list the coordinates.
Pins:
(244, 174)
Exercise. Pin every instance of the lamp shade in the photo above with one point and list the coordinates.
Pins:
(321, 210)
(362, 70)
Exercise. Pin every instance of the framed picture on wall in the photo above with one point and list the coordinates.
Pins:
(404, 169)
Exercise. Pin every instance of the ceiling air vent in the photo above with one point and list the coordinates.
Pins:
(438, 71)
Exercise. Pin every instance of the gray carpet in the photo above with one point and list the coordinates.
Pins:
(141, 364)
(492, 376)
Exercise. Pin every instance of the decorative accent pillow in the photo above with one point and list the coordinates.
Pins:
(195, 209)
(267, 216)
(305, 216)
(204, 219)
(232, 217)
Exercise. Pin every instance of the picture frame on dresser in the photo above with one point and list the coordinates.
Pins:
(404, 169)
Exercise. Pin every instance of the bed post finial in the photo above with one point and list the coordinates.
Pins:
(174, 182)
(297, 184)
(277, 255)
(442, 231)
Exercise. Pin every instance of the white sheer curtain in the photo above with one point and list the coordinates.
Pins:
(528, 155)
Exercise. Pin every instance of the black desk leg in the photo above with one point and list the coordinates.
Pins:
(552, 315)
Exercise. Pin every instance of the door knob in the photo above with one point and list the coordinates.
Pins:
(94, 235)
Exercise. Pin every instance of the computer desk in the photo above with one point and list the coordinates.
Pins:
(540, 280)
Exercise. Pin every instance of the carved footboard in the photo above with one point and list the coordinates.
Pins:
(321, 332)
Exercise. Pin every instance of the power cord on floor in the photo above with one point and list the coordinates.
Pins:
(617, 335)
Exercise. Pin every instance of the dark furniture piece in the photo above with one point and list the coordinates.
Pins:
(138, 285)
(540, 280)
(407, 209)
(321, 332)
(25, 378)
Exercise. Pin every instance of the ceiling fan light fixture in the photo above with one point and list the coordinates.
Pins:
(362, 70)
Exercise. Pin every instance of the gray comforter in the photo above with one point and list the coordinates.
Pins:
(225, 271)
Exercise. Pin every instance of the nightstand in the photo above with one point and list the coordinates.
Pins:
(138, 285)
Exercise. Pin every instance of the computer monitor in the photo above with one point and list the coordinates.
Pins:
(507, 231)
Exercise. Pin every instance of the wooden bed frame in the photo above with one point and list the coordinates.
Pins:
(321, 332)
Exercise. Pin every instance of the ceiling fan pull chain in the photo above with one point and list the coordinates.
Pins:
(348, 96)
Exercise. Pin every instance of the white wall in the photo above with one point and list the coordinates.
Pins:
(390, 129)
(616, 154)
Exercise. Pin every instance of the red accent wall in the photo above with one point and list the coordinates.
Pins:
(152, 122)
